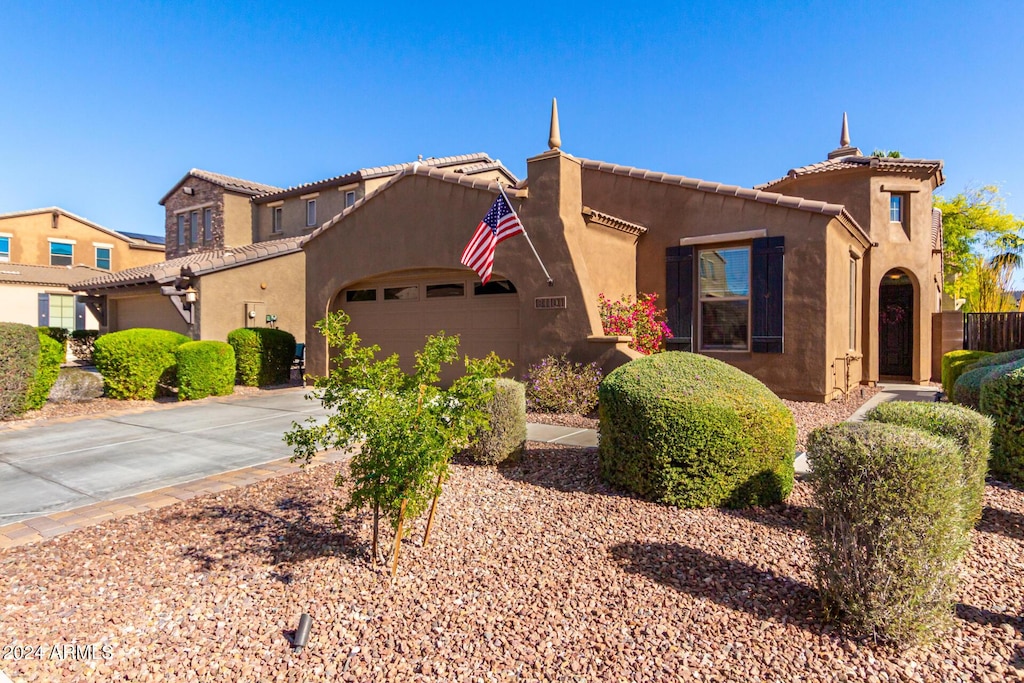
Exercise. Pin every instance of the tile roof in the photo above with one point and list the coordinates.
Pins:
(475, 163)
(454, 177)
(887, 164)
(773, 198)
(198, 263)
(134, 239)
(25, 274)
(239, 185)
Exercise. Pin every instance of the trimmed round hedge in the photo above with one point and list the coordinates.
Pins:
(971, 431)
(205, 368)
(506, 434)
(19, 351)
(51, 355)
(263, 355)
(134, 363)
(886, 529)
(967, 389)
(994, 359)
(691, 431)
(956, 363)
(1002, 399)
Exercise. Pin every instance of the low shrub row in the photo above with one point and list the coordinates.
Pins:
(137, 363)
(956, 363)
(895, 500)
(19, 359)
(994, 385)
(263, 355)
(205, 368)
(51, 355)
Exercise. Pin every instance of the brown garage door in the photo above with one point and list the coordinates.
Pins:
(398, 312)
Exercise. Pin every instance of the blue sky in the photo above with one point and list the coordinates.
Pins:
(105, 107)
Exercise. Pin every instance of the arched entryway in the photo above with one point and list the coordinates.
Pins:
(896, 325)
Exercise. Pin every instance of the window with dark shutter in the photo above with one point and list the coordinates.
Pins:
(767, 256)
(679, 297)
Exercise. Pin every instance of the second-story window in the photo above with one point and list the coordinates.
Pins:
(350, 198)
(207, 225)
(181, 229)
(103, 258)
(194, 227)
(896, 208)
(276, 224)
(5, 248)
(310, 213)
(62, 253)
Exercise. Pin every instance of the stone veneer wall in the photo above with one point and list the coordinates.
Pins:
(206, 195)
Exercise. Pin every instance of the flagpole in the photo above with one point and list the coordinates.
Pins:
(551, 282)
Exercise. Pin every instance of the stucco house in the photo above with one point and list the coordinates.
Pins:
(45, 251)
(237, 244)
(814, 283)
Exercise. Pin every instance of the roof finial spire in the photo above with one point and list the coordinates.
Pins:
(844, 149)
(554, 137)
(844, 136)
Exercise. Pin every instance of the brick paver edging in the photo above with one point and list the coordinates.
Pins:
(58, 523)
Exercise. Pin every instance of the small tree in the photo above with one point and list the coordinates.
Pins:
(405, 427)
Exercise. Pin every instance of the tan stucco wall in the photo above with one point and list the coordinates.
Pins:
(865, 194)
(238, 229)
(30, 244)
(672, 212)
(145, 308)
(329, 203)
(276, 286)
(845, 362)
(20, 303)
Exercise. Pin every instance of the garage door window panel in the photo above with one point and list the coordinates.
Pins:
(361, 295)
(494, 287)
(446, 290)
(407, 293)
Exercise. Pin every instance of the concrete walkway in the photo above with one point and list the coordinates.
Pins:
(59, 476)
(889, 392)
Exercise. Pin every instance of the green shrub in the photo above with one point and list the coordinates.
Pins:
(263, 355)
(19, 353)
(971, 431)
(137, 363)
(82, 343)
(506, 436)
(955, 363)
(51, 355)
(887, 531)
(998, 359)
(74, 386)
(967, 389)
(205, 368)
(58, 334)
(558, 385)
(1002, 399)
(692, 431)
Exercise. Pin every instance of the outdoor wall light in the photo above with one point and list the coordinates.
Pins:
(191, 296)
(302, 632)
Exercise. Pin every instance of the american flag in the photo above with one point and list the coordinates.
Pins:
(500, 223)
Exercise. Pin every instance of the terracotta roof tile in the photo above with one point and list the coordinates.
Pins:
(886, 164)
(239, 185)
(198, 263)
(27, 274)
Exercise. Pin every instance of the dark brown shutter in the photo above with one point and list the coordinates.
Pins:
(44, 310)
(679, 294)
(766, 294)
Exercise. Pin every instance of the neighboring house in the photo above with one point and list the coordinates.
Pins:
(43, 251)
(790, 286)
(236, 243)
(39, 296)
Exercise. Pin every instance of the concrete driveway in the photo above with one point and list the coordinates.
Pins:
(54, 467)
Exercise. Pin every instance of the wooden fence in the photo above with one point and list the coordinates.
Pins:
(996, 332)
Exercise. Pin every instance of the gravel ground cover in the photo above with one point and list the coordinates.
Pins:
(535, 571)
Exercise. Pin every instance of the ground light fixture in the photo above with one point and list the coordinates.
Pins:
(302, 632)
